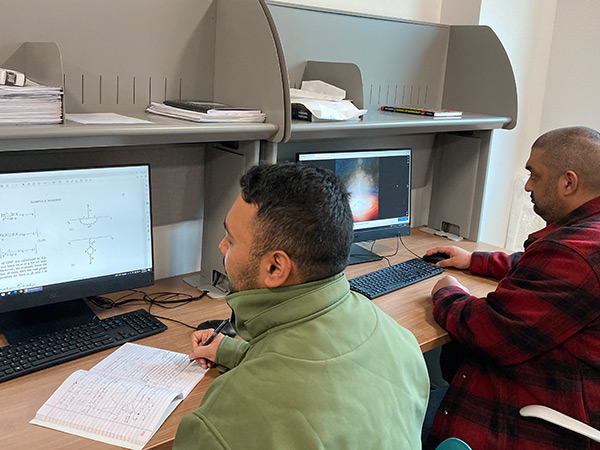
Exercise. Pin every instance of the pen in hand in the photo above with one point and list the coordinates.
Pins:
(216, 332)
(213, 335)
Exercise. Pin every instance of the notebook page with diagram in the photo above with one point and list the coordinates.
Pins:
(124, 399)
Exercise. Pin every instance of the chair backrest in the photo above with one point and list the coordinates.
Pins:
(453, 444)
(560, 419)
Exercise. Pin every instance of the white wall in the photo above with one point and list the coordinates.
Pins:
(572, 93)
(460, 12)
(525, 29)
(553, 47)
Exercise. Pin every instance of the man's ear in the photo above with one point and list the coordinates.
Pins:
(278, 269)
(569, 182)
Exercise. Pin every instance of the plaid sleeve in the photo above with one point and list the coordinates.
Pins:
(495, 265)
(551, 294)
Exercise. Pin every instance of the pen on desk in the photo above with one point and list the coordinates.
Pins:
(214, 334)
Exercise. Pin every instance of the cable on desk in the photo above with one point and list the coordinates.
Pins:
(388, 256)
(398, 241)
(167, 300)
(409, 250)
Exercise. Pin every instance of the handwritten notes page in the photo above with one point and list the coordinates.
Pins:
(123, 399)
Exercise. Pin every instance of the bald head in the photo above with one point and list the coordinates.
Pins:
(573, 148)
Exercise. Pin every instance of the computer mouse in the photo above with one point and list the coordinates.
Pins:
(435, 258)
(227, 329)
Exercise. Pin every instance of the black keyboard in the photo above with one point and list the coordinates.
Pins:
(392, 278)
(48, 350)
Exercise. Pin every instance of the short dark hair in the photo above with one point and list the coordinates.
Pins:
(304, 211)
(572, 148)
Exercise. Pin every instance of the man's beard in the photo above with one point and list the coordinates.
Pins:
(247, 278)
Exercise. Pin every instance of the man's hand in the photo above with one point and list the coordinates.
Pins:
(447, 281)
(459, 258)
(205, 356)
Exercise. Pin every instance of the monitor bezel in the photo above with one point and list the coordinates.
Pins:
(376, 232)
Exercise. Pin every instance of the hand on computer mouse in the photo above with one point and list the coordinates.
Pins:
(435, 258)
(451, 256)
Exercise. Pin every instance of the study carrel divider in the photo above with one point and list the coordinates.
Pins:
(118, 55)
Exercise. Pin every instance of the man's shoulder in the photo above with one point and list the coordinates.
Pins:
(576, 245)
(580, 236)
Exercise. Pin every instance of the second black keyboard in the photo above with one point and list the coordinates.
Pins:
(392, 278)
(49, 350)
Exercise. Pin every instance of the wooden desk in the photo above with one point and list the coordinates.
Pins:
(20, 398)
(411, 306)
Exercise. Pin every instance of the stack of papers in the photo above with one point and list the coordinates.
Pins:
(318, 101)
(30, 104)
(216, 115)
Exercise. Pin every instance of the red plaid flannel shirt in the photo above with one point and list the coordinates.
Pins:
(534, 340)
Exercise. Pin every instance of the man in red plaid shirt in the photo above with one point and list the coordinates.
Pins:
(536, 338)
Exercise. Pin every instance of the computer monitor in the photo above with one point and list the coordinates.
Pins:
(379, 186)
(69, 234)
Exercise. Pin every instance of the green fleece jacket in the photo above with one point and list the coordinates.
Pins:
(320, 367)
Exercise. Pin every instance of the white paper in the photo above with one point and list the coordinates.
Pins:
(299, 94)
(106, 409)
(151, 366)
(123, 399)
(328, 110)
(322, 90)
(103, 119)
(30, 104)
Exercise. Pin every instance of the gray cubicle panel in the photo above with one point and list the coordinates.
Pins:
(119, 55)
(41, 61)
(406, 63)
(403, 62)
(250, 70)
(400, 62)
(479, 76)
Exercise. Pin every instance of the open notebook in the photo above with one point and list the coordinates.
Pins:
(124, 398)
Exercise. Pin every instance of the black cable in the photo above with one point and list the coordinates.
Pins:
(398, 241)
(409, 250)
(166, 300)
(386, 256)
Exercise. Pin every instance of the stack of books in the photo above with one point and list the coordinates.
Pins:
(31, 104)
(199, 111)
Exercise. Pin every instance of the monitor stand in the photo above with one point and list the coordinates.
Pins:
(24, 324)
(360, 255)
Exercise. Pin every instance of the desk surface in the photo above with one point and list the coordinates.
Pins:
(22, 397)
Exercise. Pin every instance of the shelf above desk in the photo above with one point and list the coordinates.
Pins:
(162, 130)
(381, 123)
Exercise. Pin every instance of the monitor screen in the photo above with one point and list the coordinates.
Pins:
(68, 234)
(379, 185)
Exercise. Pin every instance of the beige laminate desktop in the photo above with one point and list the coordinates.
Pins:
(410, 307)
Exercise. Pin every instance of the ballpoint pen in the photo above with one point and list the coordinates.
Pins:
(214, 334)
(217, 331)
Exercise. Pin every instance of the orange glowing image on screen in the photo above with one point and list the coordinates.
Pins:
(364, 201)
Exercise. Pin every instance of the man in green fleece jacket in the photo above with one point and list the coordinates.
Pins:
(318, 366)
